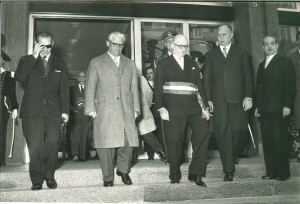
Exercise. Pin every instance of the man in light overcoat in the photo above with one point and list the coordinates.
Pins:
(112, 99)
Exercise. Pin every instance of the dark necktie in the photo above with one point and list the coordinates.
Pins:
(45, 62)
(81, 89)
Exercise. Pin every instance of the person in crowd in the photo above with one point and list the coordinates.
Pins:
(275, 91)
(199, 58)
(45, 104)
(167, 37)
(181, 102)
(295, 56)
(149, 72)
(8, 103)
(228, 83)
(145, 122)
(112, 99)
(80, 122)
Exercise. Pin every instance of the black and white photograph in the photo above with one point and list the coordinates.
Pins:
(137, 101)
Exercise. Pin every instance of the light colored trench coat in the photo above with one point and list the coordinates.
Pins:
(146, 122)
(113, 93)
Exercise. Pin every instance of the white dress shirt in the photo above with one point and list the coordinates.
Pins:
(180, 61)
(227, 49)
(268, 59)
(116, 59)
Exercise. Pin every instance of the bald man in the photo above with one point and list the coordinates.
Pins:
(228, 84)
(181, 102)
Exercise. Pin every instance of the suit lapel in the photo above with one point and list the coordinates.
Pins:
(109, 61)
(174, 64)
(271, 63)
(218, 53)
(122, 64)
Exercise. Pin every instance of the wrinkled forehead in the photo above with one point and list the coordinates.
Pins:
(117, 39)
(223, 29)
(45, 40)
(269, 40)
(180, 40)
(81, 74)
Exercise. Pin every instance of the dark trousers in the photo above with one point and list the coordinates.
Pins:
(152, 142)
(79, 135)
(229, 121)
(107, 157)
(3, 134)
(275, 143)
(41, 134)
(175, 133)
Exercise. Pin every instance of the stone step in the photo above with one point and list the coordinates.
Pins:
(275, 199)
(89, 173)
(156, 192)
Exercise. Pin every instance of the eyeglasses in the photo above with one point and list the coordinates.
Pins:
(182, 46)
(116, 45)
(48, 46)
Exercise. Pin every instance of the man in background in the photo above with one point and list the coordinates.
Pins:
(80, 122)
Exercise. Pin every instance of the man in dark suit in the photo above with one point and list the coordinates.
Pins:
(295, 56)
(45, 104)
(229, 88)
(8, 103)
(80, 122)
(275, 91)
(178, 91)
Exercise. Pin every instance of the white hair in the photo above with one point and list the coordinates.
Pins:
(115, 35)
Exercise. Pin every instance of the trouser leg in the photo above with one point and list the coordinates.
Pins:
(124, 156)
(83, 138)
(106, 156)
(152, 141)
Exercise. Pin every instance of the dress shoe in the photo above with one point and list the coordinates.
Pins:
(269, 177)
(192, 177)
(51, 183)
(199, 182)
(37, 186)
(282, 178)
(75, 158)
(175, 181)
(228, 176)
(108, 183)
(162, 156)
(125, 178)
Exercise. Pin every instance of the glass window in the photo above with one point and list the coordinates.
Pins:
(151, 40)
(288, 42)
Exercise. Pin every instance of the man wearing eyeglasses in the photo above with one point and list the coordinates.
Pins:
(112, 99)
(45, 104)
(181, 102)
(228, 84)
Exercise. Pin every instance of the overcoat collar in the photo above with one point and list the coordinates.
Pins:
(108, 60)
(220, 54)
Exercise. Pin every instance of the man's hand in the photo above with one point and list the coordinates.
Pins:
(93, 114)
(37, 49)
(256, 113)
(65, 117)
(164, 114)
(286, 111)
(14, 114)
(247, 103)
(211, 106)
(206, 114)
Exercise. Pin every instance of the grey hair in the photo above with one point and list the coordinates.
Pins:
(116, 34)
(271, 36)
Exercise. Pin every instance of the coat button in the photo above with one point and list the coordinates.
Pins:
(118, 98)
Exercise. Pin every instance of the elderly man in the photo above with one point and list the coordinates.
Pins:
(80, 122)
(181, 102)
(229, 88)
(45, 104)
(112, 99)
(275, 91)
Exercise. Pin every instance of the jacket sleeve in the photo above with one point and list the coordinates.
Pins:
(64, 90)
(12, 92)
(200, 87)
(159, 81)
(25, 66)
(207, 77)
(247, 75)
(90, 90)
(289, 83)
(135, 90)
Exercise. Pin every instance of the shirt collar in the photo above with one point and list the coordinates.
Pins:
(227, 47)
(2, 70)
(113, 57)
(81, 85)
(271, 56)
(47, 57)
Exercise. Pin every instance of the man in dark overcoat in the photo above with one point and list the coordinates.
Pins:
(275, 91)
(228, 83)
(45, 104)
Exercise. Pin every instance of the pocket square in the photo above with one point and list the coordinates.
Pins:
(57, 70)
(193, 68)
